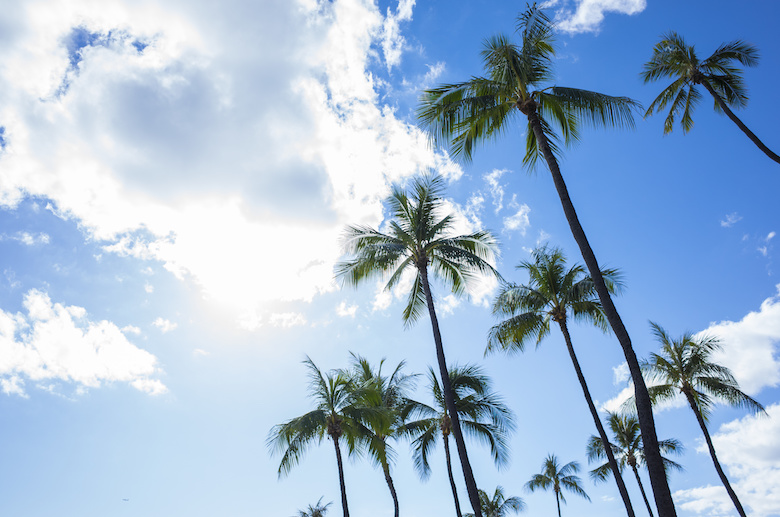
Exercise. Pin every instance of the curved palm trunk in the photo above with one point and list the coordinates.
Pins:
(452, 479)
(341, 477)
(449, 398)
(558, 502)
(389, 480)
(655, 467)
(753, 138)
(607, 447)
(642, 489)
(722, 474)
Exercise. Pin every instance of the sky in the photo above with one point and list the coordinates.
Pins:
(175, 178)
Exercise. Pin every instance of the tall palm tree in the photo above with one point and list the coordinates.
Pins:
(336, 416)
(627, 447)
(498, 505)
(684, 366)
(554, 294)
(419, 242)
(558, 478)
(317, 510)
(675, 59)
(388, 394)
(481, 412)
(463, 114)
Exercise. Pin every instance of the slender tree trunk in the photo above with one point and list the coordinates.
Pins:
(655, 467)
(722, 474)
(558, 502)
(449, 398)
(753, 138)
(449, 472)
(389, 480)
(341, 477)
(642, 489)
(607, 446)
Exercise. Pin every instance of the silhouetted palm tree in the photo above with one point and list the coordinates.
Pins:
(336, 416)
(481, 412)
(318, 510)
(627, 448)
(554, 294)
(419, 241)
(498, 506)
(684, 366)
(558, 479)
(674, 58)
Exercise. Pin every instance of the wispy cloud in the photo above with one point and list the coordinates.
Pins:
(730, 220)
(164, 325)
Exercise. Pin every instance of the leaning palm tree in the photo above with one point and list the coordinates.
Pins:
(554, 293)
(317, 510)
(336, 416)
(684, 366)
(558, 478)
(481, 412)
(464, 114)
(627, 447)
(389, 396)
(498, 505)
(419, 241)
(675, 59)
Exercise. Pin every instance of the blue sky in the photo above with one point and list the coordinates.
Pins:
(174, 180)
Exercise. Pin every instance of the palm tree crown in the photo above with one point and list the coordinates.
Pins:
(317, 510)
(627, 448)
(558, 479)
(419, 238)
(684, 366)
(498, 505)
(674, 58)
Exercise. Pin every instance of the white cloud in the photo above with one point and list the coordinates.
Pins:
(749, 449)
(192, 150)
(587, 15)
(730, 220)
(392, 41)
(287, 319)
(130, 329)
(57, 342)
(496, 189)
(751, 346)
(149, 288)
(346, 311)
(164, 325)
(518, 222)
(199, 352)
(432, 75)
(620, 374)
(770, 236)
(710, 500)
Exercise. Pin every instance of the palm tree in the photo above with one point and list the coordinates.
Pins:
(336, 416)
(498, 506)
(684, 366)
(481, 108)
(390, 396)
(481, 412)
(418, 239)
(675, 59)
(627, 447)
(318, 510)
(558, 479)
(554, 294)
